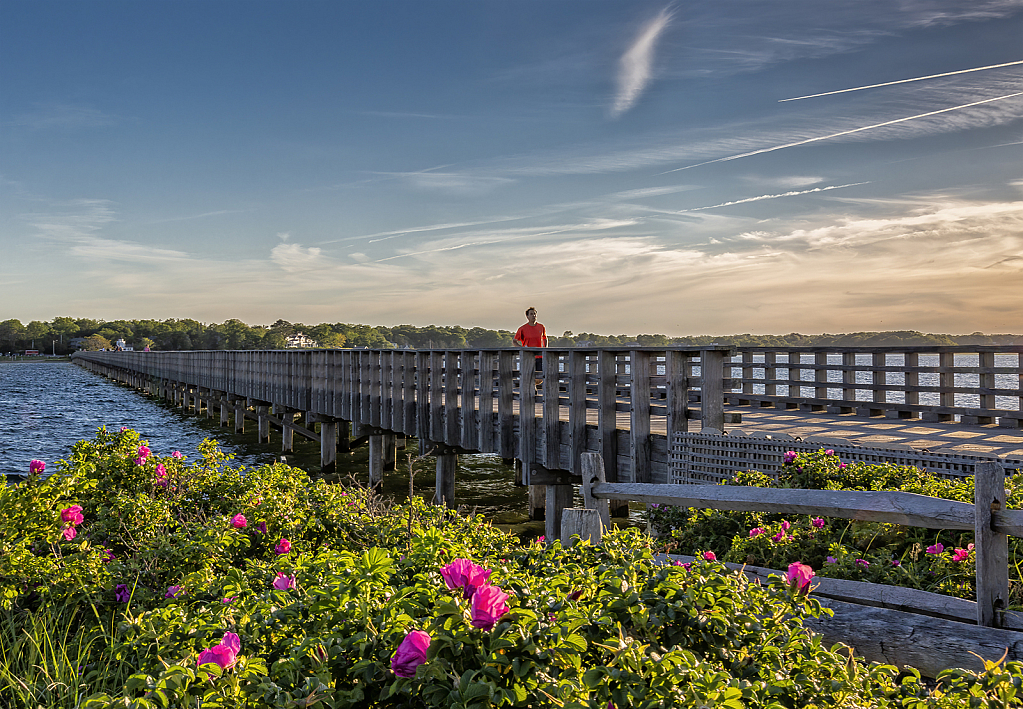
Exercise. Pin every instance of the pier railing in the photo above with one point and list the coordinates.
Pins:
(978, 384)
(623, 403)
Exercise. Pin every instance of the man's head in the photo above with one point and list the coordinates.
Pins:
(531, 315)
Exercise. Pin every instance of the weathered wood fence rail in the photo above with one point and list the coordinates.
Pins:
(979, 384)
(945, 644)
(620, 403)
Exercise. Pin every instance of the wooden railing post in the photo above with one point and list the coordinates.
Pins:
(992, 548)
(712, 397)
(639, 428)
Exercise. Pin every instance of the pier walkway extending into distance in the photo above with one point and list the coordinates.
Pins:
(625, 404)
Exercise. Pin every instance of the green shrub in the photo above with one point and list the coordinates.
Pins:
(159, 576)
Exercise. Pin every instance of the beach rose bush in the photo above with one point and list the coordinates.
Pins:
(164, 602)
(937, 561)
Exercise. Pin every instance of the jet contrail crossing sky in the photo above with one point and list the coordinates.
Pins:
(903, 81)
(845, 132)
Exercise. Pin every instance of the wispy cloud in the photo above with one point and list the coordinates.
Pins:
(63, 116)
(636, 65)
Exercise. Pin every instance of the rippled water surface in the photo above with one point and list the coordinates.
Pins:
(45, 407)
(48, 406)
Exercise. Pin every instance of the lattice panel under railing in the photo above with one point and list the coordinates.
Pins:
(695, 458)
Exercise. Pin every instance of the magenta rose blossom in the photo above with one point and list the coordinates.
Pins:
(283, 583)
(790, 456)
(224, 654)
(177, 454)
(261, 527)
(239, 521)
(283, 546)
(36, 467)
(799, 576)
(410, 654)
(709, 556)
(818, 522)
(72, 514)
(69, 533)
(172, 592)
(465, 575)
(936, 548)
(488, 605)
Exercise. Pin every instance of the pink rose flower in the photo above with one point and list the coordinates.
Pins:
(785, 525)
(799, 576)
(224, 654)
(756, 532)
(896, 562)
(817, 522)
(778, 537)
(283, 546)
(790, 456)
(173, 591)
(69, 532)
(863, 562)
(709, 556)
(72, 514)
(961, 555)
(829, 452)
(488, 605)
(177, 454)
(36, 467)
(936, 548)
(410, 654)
(283, 583)
(465, 575)
(842, 466)
(239, 521)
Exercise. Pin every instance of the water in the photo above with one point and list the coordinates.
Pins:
(926, 379)
(49, 406)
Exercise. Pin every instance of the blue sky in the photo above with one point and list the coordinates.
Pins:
(626, 167)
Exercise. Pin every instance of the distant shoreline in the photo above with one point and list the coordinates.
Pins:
(21, 359)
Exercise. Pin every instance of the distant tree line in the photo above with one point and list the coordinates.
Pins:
(62, 335)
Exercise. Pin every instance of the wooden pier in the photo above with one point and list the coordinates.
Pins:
(625, 404)
(454, 402)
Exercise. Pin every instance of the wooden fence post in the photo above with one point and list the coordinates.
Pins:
(593, 473)
(585, 523)
(992, 547)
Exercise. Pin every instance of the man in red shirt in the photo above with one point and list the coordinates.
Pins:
(532, 334)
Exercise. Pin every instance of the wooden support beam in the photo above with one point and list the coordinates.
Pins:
(537, 501)
(390, 452)
(559, 497)
(328, 447)
(263, 421)
(444, 493)
(582, 522)
(376, 462)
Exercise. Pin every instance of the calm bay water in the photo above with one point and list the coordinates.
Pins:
(46, 407)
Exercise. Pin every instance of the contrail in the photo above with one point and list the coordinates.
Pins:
(845, 132)
(902, 81)
(773, 196)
